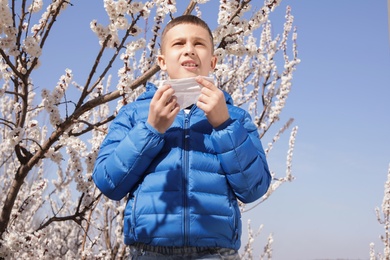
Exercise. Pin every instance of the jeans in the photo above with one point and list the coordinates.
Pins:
(146, 252)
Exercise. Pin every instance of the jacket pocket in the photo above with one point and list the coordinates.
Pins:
(131, 220)
(236, 220)
(133, 214)
(127, 220)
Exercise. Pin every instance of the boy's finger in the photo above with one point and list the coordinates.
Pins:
(164, 94)
(167, 96)
(172, 101)
(160, 91)
(205, 83)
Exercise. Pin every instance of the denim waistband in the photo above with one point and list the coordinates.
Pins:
(169, 250)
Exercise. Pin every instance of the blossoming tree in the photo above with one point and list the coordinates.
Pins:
(383, 216)
(62, 215)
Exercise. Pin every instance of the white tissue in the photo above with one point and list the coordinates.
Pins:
(187, 90)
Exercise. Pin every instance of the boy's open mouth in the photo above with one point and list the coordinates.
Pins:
(189, 64)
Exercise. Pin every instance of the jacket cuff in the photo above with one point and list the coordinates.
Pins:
(153, 130)
(224, 124)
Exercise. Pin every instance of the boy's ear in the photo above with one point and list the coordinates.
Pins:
(214, 60)
(161, 62)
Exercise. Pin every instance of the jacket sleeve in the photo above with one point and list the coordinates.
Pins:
(124, 155)
(242, 158)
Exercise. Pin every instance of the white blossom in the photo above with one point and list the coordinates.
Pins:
(35, 6)
(31, 46)
(136, 7)
(121, 23)
(121, 7)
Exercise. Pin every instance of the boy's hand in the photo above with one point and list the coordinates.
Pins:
(212, 102)
(163, 109)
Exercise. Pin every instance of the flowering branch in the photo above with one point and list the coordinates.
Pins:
(384, 220)
(77, 216)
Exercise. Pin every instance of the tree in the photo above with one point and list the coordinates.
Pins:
(383, 216)
(46, 215)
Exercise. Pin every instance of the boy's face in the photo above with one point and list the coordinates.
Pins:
(187, 52)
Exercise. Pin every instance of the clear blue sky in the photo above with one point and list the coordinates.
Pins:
(340, 101)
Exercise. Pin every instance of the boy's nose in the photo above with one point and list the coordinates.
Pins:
(189, 50)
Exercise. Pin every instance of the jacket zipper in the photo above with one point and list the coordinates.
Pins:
(185, 178)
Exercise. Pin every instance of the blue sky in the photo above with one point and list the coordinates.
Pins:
(340, 101)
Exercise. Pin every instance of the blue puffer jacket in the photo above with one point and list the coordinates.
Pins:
(183, 185)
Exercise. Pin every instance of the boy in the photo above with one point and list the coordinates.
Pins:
(183, 170)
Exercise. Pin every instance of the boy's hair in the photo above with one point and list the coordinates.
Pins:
(187, 19)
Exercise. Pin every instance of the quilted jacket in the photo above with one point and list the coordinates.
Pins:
(182, 186)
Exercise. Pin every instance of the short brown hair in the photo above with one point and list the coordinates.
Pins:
(187, 19)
